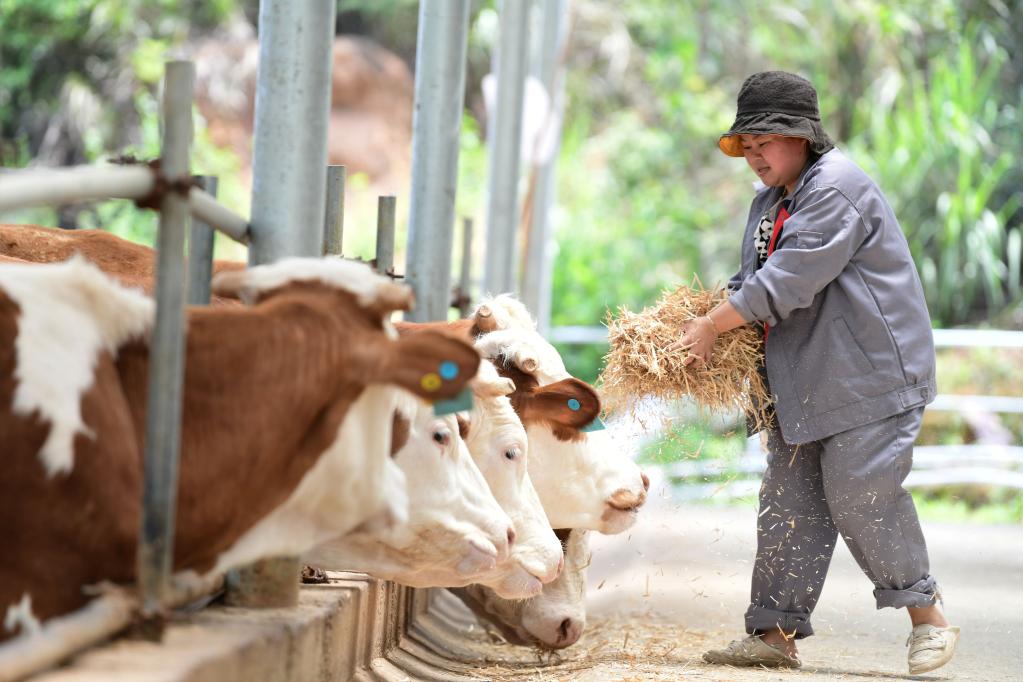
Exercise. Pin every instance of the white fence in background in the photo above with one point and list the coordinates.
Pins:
(983, 464)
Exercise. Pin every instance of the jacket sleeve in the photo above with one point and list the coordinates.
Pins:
(734, 282)
(816, 244)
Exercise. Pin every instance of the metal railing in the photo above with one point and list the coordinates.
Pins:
(990, 464)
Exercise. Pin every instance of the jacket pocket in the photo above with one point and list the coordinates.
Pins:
(807, 239)
(850, 347)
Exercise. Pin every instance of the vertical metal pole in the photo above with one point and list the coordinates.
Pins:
(540, 246)
(292, 108)
(436, 125)
(505, 151)
(293, 88)
(200, 252)
(334, 222)
(385, 234)
(464, 299)
(166, 366)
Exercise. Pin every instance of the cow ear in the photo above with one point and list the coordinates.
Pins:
(433, 365)
(567, 403)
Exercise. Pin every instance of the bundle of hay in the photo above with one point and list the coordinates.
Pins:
(640, 362)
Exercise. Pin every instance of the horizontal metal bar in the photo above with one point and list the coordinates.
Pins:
(578, 334)
(980, 403)
(59, 186)
(977, 338)
(206, 208)
(943, 338)
(744, 487)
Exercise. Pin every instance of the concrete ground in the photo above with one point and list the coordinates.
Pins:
(678, 584)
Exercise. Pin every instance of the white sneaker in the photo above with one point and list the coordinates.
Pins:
(931, 647)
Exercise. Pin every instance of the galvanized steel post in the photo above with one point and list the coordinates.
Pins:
(540, 247)
(464, 300)
(292, 109)
(200, 252)
(166, 366)
(385, 234)
(436, 124)
(505, 149)
(334, 221)
(288, 191)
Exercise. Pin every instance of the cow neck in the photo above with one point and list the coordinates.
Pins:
(264, 398)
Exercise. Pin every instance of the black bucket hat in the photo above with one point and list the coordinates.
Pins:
(777, 103)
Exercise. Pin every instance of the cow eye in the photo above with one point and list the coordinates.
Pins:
(441, 437)
(511, 454)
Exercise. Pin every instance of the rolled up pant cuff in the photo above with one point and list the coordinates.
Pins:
(761, 619)
(923, 592)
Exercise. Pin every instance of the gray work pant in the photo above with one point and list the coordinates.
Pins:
(848, 484)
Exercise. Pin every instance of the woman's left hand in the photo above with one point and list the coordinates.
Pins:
(698, 335)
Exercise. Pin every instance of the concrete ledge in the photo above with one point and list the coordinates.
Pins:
(352, 628)
(313, 641)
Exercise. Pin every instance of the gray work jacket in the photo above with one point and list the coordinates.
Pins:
(850, 339)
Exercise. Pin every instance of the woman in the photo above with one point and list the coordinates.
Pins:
(850, 363)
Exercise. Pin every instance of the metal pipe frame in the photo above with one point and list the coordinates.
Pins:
(293, 89)
(166, 366)
(540, 248)
(334, 219)
(499, 274)
(386, 212)
(58, 186)
(441, 45)
(200, 252)
(296, 39)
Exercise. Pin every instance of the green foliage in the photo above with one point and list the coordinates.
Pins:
(924, 95)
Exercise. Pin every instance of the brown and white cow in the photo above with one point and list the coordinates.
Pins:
(582, 479)
(456, 531)
(285, 437)
(499, 445)
(132, 264)
(555, 618)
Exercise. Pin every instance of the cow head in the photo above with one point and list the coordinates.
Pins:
(498, 444)
(554, 619)
(456, 531)
(582, 481)
(355, 483)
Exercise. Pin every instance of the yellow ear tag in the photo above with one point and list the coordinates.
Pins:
(431, 382)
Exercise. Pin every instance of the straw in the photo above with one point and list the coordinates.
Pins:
(640, 362)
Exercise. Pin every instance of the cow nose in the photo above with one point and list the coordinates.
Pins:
(568, 632)
(511, 537)
(646, 481)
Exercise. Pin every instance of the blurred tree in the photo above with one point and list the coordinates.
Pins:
(924, 94)
(70, 73)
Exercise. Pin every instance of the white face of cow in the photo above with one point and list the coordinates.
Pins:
(583, 481)
(354, 483)
(554, 619)
(456, 531)
(498, 444)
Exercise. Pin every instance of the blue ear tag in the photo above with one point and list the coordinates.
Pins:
(460, 403)
(448, 370)
(595, 425)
